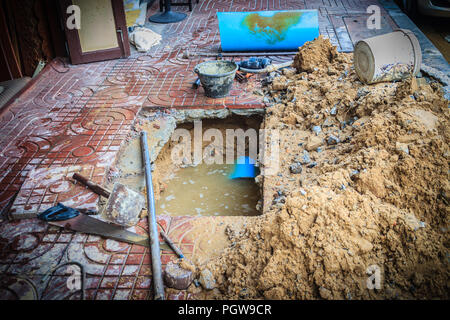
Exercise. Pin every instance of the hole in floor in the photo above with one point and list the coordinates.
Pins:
(186, 187)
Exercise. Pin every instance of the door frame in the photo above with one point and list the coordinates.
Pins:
(8, 56)
(73, 40)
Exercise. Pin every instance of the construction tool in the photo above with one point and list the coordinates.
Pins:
(242, 78)
(91, 185)
(261, 65)
(124, 205)
(172, 245)
(153, 230)
(72, 219)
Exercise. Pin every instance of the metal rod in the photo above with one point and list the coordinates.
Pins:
(172, 245)
(151, 215)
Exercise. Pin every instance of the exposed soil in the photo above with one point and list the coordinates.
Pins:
(371, 188)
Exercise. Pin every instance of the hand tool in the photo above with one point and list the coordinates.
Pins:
(124, 205)
(72, 219)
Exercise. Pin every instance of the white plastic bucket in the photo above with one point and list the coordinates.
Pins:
(391, 56)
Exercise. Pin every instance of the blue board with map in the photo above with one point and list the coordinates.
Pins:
(267, 30)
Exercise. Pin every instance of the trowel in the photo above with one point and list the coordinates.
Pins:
(121, 201)
(123, 205)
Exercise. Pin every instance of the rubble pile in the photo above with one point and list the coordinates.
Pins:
(363, 186)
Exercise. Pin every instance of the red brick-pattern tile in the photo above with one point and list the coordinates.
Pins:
(45, 187)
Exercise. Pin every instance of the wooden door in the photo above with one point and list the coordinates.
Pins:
(103, 32)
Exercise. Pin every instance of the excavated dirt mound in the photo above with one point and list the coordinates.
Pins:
(370, 190)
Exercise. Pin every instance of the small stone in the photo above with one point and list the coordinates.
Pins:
(207, 280)
(296, 168)
(402, 147)
(316, 129)
(362, 92)
(305, 158)
(332, 140)
(364, 245)
(312, 164)
(333, 111)
(325, 293)
(313, 143)
(328, 122)
(177, 277)
(267, 102)
(352, 120)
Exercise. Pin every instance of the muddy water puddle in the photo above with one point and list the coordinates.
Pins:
(206, 190)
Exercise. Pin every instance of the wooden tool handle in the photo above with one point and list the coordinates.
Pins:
(91, 185)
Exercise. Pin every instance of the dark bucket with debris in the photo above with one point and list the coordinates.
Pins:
(216, 77)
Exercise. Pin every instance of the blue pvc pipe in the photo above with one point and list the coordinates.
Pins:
(244, 168)
(267, 30)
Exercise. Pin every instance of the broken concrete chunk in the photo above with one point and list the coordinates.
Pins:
(313, 143)
(333, 110)
(332, 140)
(305, 158)
(364, 245)
(143, 39)
(312, 164)
(413, 222)
(325, 293)
(401, 147)
(207, 280)
(177, 277)
(288, 72)
(124, 206)
(362, 92)
(316, 129)
(279, 83)
(295, 168)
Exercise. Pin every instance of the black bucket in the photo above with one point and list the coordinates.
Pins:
(216, 77)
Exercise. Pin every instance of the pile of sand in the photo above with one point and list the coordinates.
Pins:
(373, 190)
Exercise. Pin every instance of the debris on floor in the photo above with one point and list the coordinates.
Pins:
(377, 196)
(177, 277)
(143, 39)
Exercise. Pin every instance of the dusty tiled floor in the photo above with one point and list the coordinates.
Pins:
(74, 118)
